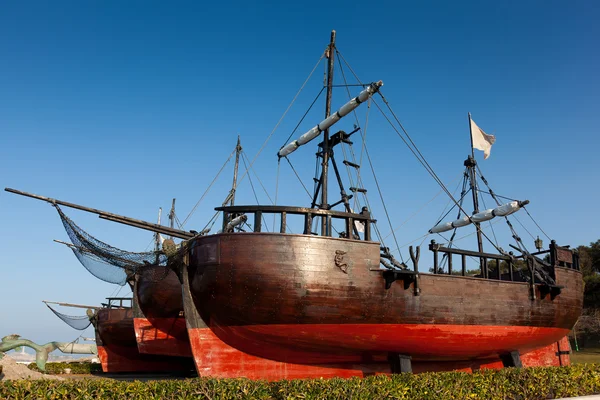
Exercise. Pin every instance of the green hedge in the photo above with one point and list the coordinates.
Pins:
(511, 383)
(57, 368)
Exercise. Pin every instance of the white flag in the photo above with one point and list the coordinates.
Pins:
(481, 140)
(360, 226)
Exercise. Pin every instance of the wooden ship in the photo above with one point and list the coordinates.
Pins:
(310, 304)
(280, 305)
(158, 317)
(116, 343)
(156, 307)
(155, 311)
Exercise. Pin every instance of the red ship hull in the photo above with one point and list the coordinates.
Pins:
(162, 336)
(158, 314)
(117, 346)
(214, 357)
(353, 343)
(282, 297)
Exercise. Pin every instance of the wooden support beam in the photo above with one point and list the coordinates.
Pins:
(512, 359)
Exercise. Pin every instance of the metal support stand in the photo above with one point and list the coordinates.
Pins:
(400, 363)
(512, 359)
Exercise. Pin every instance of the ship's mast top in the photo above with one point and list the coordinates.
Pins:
(238, 150)
(470, 163)
(172, 216)
(330, 56)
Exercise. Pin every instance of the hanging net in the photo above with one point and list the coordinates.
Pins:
(77, 322)
(108, 263)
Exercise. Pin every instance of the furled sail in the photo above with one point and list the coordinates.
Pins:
(332, 119)
(500, 211)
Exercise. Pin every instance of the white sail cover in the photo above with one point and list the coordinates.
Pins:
(331, 120)
(446, 226)
(500, 211)
(507, 209)
(483, 216)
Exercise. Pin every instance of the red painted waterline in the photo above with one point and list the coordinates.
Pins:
(164, 336)
(359, 343)
(214, 358)
(128, 359)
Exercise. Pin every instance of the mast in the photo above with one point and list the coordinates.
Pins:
(110, 216)
(172, 216)
(470, 164)
(238, 150)
(324, 205)
(71, 305)
(156, 234)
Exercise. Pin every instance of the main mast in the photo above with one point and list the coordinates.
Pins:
(156, 234)
(470, 163)
(324, 205)
(172, 216)
(238, 150)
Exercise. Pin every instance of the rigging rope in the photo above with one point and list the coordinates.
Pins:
(365, 150)
(283, 116)
(489, 222)
(258, 178)
(515, 236)
(302, 119)
(463, 193)
(276, 189)
(255, 196)
(356, 199)
(208, 188)
(382, 202)
(523, 226)
(417, 153)
(536, 224)
(297, 176)
(414, 149)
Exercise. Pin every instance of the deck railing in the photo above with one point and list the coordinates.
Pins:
(559, 257)
(230, 214)
(118, 302)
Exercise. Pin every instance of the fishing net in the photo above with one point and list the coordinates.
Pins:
(77, 322)
(109, 263)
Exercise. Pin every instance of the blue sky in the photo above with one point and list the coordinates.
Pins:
(122, 106)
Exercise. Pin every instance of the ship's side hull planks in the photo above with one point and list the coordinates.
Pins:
(311, 299)
(117, 346)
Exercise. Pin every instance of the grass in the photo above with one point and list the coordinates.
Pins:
(587, 355)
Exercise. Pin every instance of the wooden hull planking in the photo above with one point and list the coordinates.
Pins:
(162, 336)
(117, 346)
(158, 315)
(286, 298)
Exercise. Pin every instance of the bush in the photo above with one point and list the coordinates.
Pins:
(510, 383)
(57, 368)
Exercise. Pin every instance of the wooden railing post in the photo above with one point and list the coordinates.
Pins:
(365, 212)
(307, 223)
(434, 247)
(225, 220)
(499, 269)
(484, 267)
(283, 222)
(257, 221)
